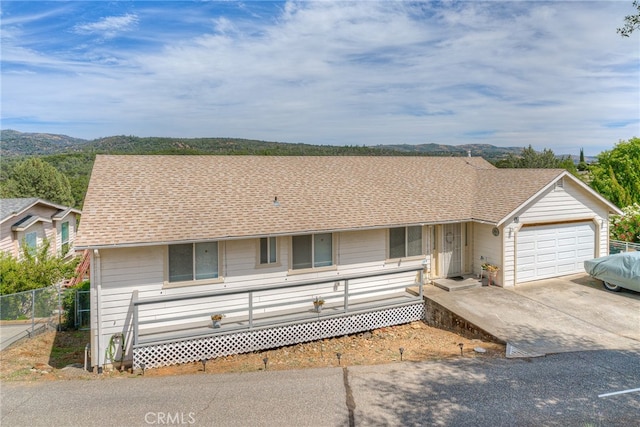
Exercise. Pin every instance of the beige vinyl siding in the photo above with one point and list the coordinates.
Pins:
(11, 241)
(566, 203)
(570, 203)
(509, 244)
(125, 270)
(7, 241)
(488, 246)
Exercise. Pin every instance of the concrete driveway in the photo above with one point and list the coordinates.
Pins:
(572, 313)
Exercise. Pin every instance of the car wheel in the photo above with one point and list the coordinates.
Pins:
(608, 286)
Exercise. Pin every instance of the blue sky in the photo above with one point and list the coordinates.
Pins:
(550, 74)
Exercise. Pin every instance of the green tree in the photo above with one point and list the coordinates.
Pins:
(582, 166)
(37, 269)
(617, 174)
(631, 22)
(530, 158)
(36, 178)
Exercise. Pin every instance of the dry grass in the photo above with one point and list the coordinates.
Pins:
(50, 352)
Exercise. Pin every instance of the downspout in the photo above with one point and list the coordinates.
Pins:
(97, 279)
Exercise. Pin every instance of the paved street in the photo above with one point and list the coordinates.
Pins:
(560, 390)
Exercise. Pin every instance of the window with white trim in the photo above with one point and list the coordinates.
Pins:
(31, 242)
(64, 237)
(312, 251)
(193, 261)
(405, 242)
(268, 253)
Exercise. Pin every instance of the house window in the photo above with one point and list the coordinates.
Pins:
(193, 261)
(64, 237)
(312, 250)
(405, 242)
(31, 242)
(268, 250)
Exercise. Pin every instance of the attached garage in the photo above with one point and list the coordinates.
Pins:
(544, 251)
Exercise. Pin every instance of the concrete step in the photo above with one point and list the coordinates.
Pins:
(451, 285)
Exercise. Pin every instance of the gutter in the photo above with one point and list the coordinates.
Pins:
(258, 236)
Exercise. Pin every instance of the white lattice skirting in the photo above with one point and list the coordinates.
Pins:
(196, 349)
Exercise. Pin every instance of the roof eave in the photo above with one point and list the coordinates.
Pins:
(262, 235)
(611, 206)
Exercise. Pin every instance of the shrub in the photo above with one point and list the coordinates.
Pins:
(626, 227)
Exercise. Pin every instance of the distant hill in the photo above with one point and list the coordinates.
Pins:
(14, 143)
(17, 144)
(484, 150)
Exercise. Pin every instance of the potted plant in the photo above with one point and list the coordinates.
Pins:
(216, 318)
(318, 302)
(492, 270)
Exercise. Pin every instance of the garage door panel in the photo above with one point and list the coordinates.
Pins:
(585, 253)
(566, 255)
(582, 240)
(546, 257)
(545, 244)
(527, 246)
(567, 241)
(553, 250)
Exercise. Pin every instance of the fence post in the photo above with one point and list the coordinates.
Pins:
(76, 311)
(33, 310)
(59, 309)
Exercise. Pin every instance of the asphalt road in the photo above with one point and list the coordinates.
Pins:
(561, 389)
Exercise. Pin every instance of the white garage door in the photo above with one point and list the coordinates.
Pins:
(553, 250)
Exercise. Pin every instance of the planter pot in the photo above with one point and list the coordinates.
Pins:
(318, 308)
(216, 323)
(492, 277)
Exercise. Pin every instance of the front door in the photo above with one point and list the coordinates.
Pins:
(451, 254)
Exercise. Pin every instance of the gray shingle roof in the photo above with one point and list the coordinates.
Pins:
(9, 207)
(146, 199)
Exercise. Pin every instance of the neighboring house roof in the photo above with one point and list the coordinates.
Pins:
(12, 208)
(142, 200)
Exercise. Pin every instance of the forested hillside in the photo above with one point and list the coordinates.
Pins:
(74, 157)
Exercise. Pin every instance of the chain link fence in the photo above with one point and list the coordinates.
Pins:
(25, 314)
(617, 246)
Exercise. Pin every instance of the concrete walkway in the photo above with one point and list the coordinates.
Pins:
(572, 313)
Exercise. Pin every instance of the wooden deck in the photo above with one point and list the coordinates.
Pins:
(235, 324)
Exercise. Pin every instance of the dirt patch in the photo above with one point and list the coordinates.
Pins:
(46, 356)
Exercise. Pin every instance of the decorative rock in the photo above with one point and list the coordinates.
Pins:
(479, 350)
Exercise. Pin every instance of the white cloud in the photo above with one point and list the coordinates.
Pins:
(552, 74)
(109, 27)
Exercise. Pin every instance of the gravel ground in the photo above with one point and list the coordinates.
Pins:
(38, 359)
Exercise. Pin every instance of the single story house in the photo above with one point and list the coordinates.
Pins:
(30, 221)
(175, 239)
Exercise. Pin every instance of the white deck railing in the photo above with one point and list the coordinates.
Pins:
(251, 314)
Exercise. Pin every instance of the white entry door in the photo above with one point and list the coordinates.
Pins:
(553, 250)
(451, 254)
